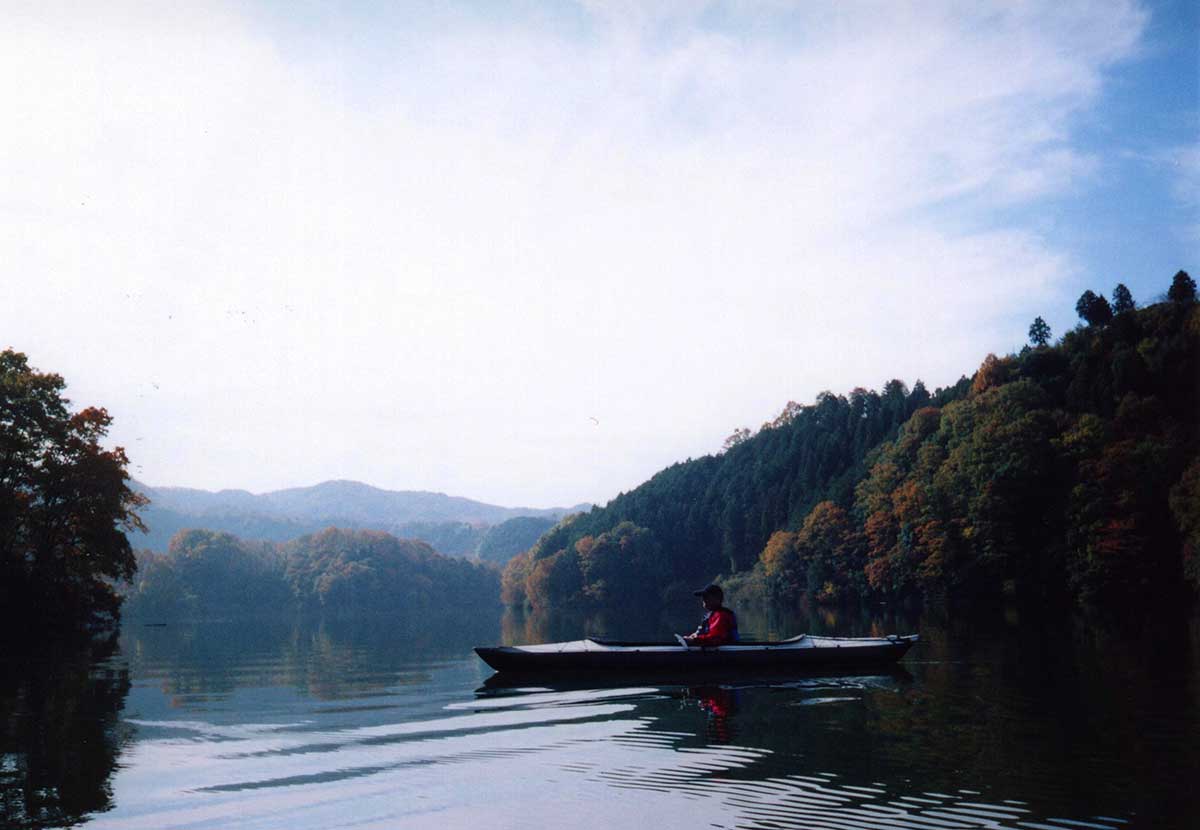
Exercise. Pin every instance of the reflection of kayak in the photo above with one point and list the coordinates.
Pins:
(639, 682)
(803, 652)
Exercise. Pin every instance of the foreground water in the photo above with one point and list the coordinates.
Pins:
(996, 723)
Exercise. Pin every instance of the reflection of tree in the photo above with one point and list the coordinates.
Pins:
(519, 627)
(770, 621)
(327, 658)
(59, 737)
(550, 626)
(1059, 710)
(1063, 714)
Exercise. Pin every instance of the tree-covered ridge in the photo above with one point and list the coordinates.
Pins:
(207, 575)
(502, 542)
(64, 504)
(1068, 470)
(714, 514)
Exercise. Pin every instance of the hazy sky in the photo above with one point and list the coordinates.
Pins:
(531, 253)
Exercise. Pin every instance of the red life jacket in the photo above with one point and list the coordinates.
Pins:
(719, 628)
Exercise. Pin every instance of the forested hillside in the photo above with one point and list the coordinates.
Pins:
(504, 541)
(210, 575)
(1067, 471)
(714, 514)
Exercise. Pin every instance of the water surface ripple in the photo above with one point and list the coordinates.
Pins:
(322, 729)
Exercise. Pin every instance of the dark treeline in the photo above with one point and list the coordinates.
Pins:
(1065, 472)
(61, 733)
(210, 575)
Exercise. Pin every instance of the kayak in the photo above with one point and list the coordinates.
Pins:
(802, 652)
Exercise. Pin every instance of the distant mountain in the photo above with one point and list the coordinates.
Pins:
(451, 524)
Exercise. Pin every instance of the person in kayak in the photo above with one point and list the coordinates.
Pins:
(719, 626)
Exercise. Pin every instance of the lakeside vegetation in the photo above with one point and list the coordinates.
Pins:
(1066, 472)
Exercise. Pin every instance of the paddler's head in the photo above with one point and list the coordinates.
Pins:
(711, 596)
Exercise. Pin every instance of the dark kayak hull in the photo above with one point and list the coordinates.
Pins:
(800, 654)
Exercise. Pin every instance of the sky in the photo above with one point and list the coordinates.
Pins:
(531, 253)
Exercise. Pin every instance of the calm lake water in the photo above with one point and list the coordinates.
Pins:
(999, 722)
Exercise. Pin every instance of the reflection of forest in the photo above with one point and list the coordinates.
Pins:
(1063, 711)
(324, 658)
(1069, 709)
(1071, 712)
(59, 736)
(1067, 717)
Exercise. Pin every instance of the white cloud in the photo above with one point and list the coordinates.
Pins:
(427, 257)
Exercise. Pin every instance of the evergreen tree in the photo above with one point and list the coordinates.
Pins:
(1039, 332)
(1183, 289)
(1122, 299)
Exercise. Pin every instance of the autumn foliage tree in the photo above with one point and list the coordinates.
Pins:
(621, 566)
(65, 505)
(823, 558)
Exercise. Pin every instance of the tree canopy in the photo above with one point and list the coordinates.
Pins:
(1183, 288)
(65, 505)
(1093, 309)
(1122, 299)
